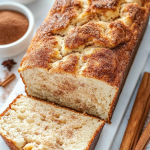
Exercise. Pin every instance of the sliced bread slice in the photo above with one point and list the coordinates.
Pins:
(31, 124)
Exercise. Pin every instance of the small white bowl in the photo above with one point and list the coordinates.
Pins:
(20, 45)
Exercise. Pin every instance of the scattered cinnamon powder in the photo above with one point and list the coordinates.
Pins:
(6, 93)
(13, 25)
(6, 74)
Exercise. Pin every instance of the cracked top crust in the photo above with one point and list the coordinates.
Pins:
(92, 38)
(103, 4)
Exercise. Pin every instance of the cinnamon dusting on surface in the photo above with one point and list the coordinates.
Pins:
(6, 93)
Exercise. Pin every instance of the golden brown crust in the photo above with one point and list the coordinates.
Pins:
(69, 66)
(101, 64)
(42, 52)
(117, 33)
(60, 15)
(103, 4)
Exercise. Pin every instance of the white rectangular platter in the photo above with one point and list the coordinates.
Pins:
(109, 132)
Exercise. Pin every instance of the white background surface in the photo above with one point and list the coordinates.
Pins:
(40, 9)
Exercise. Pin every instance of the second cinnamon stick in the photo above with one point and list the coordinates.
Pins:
(144, 139)
(141, 124)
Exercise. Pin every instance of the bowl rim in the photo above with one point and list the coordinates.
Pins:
(30, 19)
(23, 1)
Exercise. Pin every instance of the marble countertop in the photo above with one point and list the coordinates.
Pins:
(39, 14)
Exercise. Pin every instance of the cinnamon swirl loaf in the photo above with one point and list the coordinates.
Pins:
(81, 54)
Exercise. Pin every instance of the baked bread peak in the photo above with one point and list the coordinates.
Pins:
(89, 44)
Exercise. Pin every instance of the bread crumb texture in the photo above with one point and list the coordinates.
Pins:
(88, 45)
(35, 125)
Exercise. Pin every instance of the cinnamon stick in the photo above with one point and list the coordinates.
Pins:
(9, 79)
(137, 113)
(143, 139)
(141, 124)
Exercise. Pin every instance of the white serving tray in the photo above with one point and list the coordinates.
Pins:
(109, 131)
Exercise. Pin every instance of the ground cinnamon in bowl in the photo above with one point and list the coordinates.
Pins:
(13, 25)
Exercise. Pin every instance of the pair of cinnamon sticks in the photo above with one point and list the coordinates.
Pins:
(8, 80)
(137, 119)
